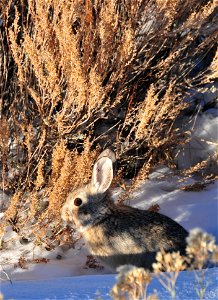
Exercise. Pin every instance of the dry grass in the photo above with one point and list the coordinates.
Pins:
(76, 77)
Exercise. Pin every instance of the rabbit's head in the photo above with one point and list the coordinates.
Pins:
(88, 204)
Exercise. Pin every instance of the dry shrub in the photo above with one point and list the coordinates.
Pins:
(11, 213)
(201, 248)
(132, 283)
(172, 263)
(204, 165)
(69, 171)
(4, 138)
(74, 170)
(77, 76)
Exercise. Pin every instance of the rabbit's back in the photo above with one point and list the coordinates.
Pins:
(128, 235)
(151, 230)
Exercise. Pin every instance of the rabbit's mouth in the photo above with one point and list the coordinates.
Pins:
(82, 229)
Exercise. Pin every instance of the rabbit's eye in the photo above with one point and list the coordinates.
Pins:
(77, 202)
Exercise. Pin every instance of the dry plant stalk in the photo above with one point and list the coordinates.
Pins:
(132, 283)
(201, 166)
(201, 250)
(4, 149)
(172, 263)
(11, 212)
(75, 170)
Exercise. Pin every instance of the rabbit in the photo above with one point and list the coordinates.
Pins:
(119, 234)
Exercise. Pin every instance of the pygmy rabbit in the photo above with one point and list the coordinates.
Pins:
(119, 234)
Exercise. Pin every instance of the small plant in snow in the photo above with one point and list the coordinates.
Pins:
(172, 263)
(132, 283)
(201, 250)
(201, 247)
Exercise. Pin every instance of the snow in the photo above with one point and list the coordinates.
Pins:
(203, 139)
(91, 287)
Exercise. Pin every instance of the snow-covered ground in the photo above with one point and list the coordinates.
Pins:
(58, 278)
(98, 287)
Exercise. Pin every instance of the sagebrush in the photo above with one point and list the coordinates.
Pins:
(79, 76)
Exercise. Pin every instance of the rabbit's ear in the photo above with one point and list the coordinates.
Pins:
(102, 174)
(108, 153)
